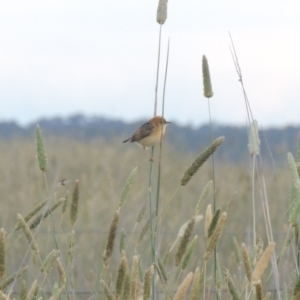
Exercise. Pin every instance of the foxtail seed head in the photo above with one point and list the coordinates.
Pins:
(61, 271)
(145, 228)
(259, 248)
(44, 215)
(296, 290)
(127, 187)
(32, 290)
(64, 208)
(184, 241)
(122, 241)
(41, 153)
(23, 290)
(246, 260)
(32, 213)
(203, 197)
(141, 212)
(134, 284)
(121, 275)
(212, 241)
(231, 286)
(189, 252)
(71, 242)
(259, 291)
(111, 238)
(183, 287)
(161, 15)
(47, 264)
(200, 160)
(213, 223)
(147, 282)
(195, 293)
(28, 234)
(262, 264)
(109, 295)
(208, 93)
(126, 288)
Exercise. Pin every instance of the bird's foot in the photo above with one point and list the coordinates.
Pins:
(151, 159)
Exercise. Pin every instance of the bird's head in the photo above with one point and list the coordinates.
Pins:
(160, 121)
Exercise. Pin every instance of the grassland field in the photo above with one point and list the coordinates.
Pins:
(102, 169)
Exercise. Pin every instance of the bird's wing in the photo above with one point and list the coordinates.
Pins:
(142, 132)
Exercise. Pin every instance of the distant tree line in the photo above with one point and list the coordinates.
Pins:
(275, 142)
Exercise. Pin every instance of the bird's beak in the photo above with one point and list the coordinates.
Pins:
(168, 122)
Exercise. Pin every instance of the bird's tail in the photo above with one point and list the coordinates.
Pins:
(127, 140)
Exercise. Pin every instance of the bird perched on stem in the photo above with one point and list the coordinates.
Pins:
(149, 134)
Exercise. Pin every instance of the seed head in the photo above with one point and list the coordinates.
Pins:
(208, 93)
(161, 15)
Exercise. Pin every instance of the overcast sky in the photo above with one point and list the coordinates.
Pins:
(59, 58)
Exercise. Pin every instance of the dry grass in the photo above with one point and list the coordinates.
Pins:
(102, 170)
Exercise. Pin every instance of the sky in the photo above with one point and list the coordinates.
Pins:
(99, 58)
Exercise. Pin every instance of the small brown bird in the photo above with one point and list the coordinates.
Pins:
(150, 133)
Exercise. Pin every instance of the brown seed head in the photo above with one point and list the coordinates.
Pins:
(134, 285)
(111, 238)
(147, 283)
(184, 241)
(61, 271)
(262, 263)
(121, 275)
(259, 292)
(212, 242)
(183, 287)
(246, 261)
(195, 293)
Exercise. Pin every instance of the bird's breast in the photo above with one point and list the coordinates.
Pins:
(152, 139)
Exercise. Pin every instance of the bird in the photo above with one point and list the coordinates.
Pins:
(62, 182)
(149, 134)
